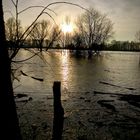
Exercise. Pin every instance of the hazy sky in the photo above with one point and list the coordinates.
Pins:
(125, 14)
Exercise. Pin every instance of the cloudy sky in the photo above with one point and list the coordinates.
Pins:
(125, 14)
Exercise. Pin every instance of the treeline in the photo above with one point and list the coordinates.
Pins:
(113, 46)
(92, 29)
(123, 46)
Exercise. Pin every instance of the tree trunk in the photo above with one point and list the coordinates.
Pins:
(9, 127)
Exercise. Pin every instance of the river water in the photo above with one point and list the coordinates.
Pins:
(115, 72)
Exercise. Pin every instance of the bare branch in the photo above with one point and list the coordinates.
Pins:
(31, 26)
(50, 16)
(19, 61)
(13, 3)
(69, 3)
(46, 7)
(8, 11)
(52, 11)
(30, 7)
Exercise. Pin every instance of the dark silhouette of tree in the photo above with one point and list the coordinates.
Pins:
(137, 36)
(95, 28)
(43, 34)
(123, 46)
(39, 33)
(54, 36)
(8, 117)
(10, 29)
(11, 34)
(77, 38)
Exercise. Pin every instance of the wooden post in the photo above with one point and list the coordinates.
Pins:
(58, 112)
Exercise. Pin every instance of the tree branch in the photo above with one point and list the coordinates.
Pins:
(30, 7)
(13, 3)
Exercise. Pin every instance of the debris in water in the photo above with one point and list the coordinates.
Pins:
(116, 85)
(104, 103)
(39, 79)
(23, 73)
(19, 95)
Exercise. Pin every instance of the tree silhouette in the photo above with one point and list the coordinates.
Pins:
(44, 34)
(39, 33)
(94, 28)
(137, 36)
(8, 119)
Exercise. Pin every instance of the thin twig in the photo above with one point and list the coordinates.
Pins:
(43, 10)
(13, 3)
(19, 61)
(35, 6)
(8, 11)
(49, 16)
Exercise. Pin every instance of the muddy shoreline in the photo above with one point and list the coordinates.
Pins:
(88, 115)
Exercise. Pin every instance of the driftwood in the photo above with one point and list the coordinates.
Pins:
(35, 78)
(116, 85)
(130, 98)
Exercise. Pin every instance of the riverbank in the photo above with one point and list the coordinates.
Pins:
(100, 96)
(88, 115)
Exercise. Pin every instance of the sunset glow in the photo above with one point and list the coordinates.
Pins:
(67, 28)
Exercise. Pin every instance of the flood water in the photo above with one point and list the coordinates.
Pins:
(112, 72)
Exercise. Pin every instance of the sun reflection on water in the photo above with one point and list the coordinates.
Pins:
(65, 68)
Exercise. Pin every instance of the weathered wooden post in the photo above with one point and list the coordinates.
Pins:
(58, 112)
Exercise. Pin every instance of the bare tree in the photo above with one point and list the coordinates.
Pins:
(77, 39)
(137, 36)
(55, 36)
(44, 35)
(10, 29)
(40, 33)
(94, 28)
(11, 34)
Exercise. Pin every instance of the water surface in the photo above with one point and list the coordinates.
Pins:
(113, 72)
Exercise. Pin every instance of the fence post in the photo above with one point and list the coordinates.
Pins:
(58, 112)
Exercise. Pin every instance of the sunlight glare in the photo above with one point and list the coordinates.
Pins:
(67, 28)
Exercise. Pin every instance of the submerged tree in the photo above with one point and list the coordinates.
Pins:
(8, 118)
(95, 28)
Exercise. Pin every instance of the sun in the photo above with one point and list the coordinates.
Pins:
(67, 28)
